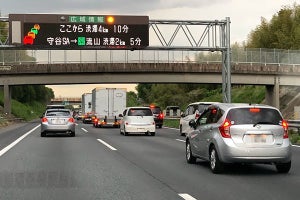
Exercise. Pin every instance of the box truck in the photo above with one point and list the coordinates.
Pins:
(86, 107)
(107, 105)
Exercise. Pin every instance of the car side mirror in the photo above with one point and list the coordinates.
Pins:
(120, 115)
(182, 115)
(192, 123)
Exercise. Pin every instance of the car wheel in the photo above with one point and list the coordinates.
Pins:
(160, 126)
(283, 167)
(43, 134)
(72, 134)
(216, 165)
(152, 133)
(180, 131)
(125, 133)
(188, 154)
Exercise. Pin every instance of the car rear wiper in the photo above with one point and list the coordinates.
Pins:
(263, 123)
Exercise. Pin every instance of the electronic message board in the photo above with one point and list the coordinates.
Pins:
(49, 31)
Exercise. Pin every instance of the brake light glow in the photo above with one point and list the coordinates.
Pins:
(44, 119)
(161, 116)
(225, 129)
(285, 127)
(71, 120)
(254, 110)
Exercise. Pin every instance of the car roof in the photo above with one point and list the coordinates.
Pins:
(137, 107)
(203, 102)
(58, 109)
(227, 106)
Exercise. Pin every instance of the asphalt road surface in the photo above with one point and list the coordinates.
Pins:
(102, 164)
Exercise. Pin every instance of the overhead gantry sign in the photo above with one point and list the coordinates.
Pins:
(53, 31)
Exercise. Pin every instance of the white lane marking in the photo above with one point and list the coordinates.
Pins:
(109, 146)
(180, 140)
(296, 146)
(84, 130)
(4, 150)
(186, 196)
(171, 128)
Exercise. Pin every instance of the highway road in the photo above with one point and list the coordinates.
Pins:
(101, 164)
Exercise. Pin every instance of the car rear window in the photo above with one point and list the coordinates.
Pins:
(254, 116)
(58, 113)
(202, 107)
(156, 110)
(140, 112)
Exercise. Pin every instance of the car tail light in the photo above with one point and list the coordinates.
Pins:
(197, 115)
(161, 116)
(254, 110)
(71, 120)
(126, 123)
(285, 128)
(225, 129)
(44, 119)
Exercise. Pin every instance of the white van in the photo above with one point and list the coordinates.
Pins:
(193, 111)
(137, 120)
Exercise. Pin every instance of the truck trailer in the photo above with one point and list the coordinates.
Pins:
(86, 107)
(107, 105)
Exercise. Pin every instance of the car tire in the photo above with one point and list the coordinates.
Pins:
(43, 134)
(216, 165)
(180, 131)
(160, 126)
(125, 133)
(189, 154)
(72, 134)
(152, 133)
(283, 167)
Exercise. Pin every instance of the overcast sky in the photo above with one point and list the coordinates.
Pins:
(245, 15)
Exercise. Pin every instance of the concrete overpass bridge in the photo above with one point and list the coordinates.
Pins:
(272, 76)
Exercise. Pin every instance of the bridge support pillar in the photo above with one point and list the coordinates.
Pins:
(272, 94)
(7, 99)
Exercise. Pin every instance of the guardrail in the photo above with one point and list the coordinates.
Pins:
(294, 123)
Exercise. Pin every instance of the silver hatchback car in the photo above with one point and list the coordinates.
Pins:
(57, 121)
(239, 133)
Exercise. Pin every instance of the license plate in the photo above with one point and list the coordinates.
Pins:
(141, 129)
(258, 138)
(58, 121)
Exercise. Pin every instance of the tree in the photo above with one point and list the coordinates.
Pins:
(282, 32)
(132, 99)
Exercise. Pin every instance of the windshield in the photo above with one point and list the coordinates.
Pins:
(254, 116)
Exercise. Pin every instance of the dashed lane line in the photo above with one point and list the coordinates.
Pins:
(84, 130)
(186, 196)
(109, 146)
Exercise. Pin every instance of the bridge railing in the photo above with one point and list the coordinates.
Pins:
(238, 55)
